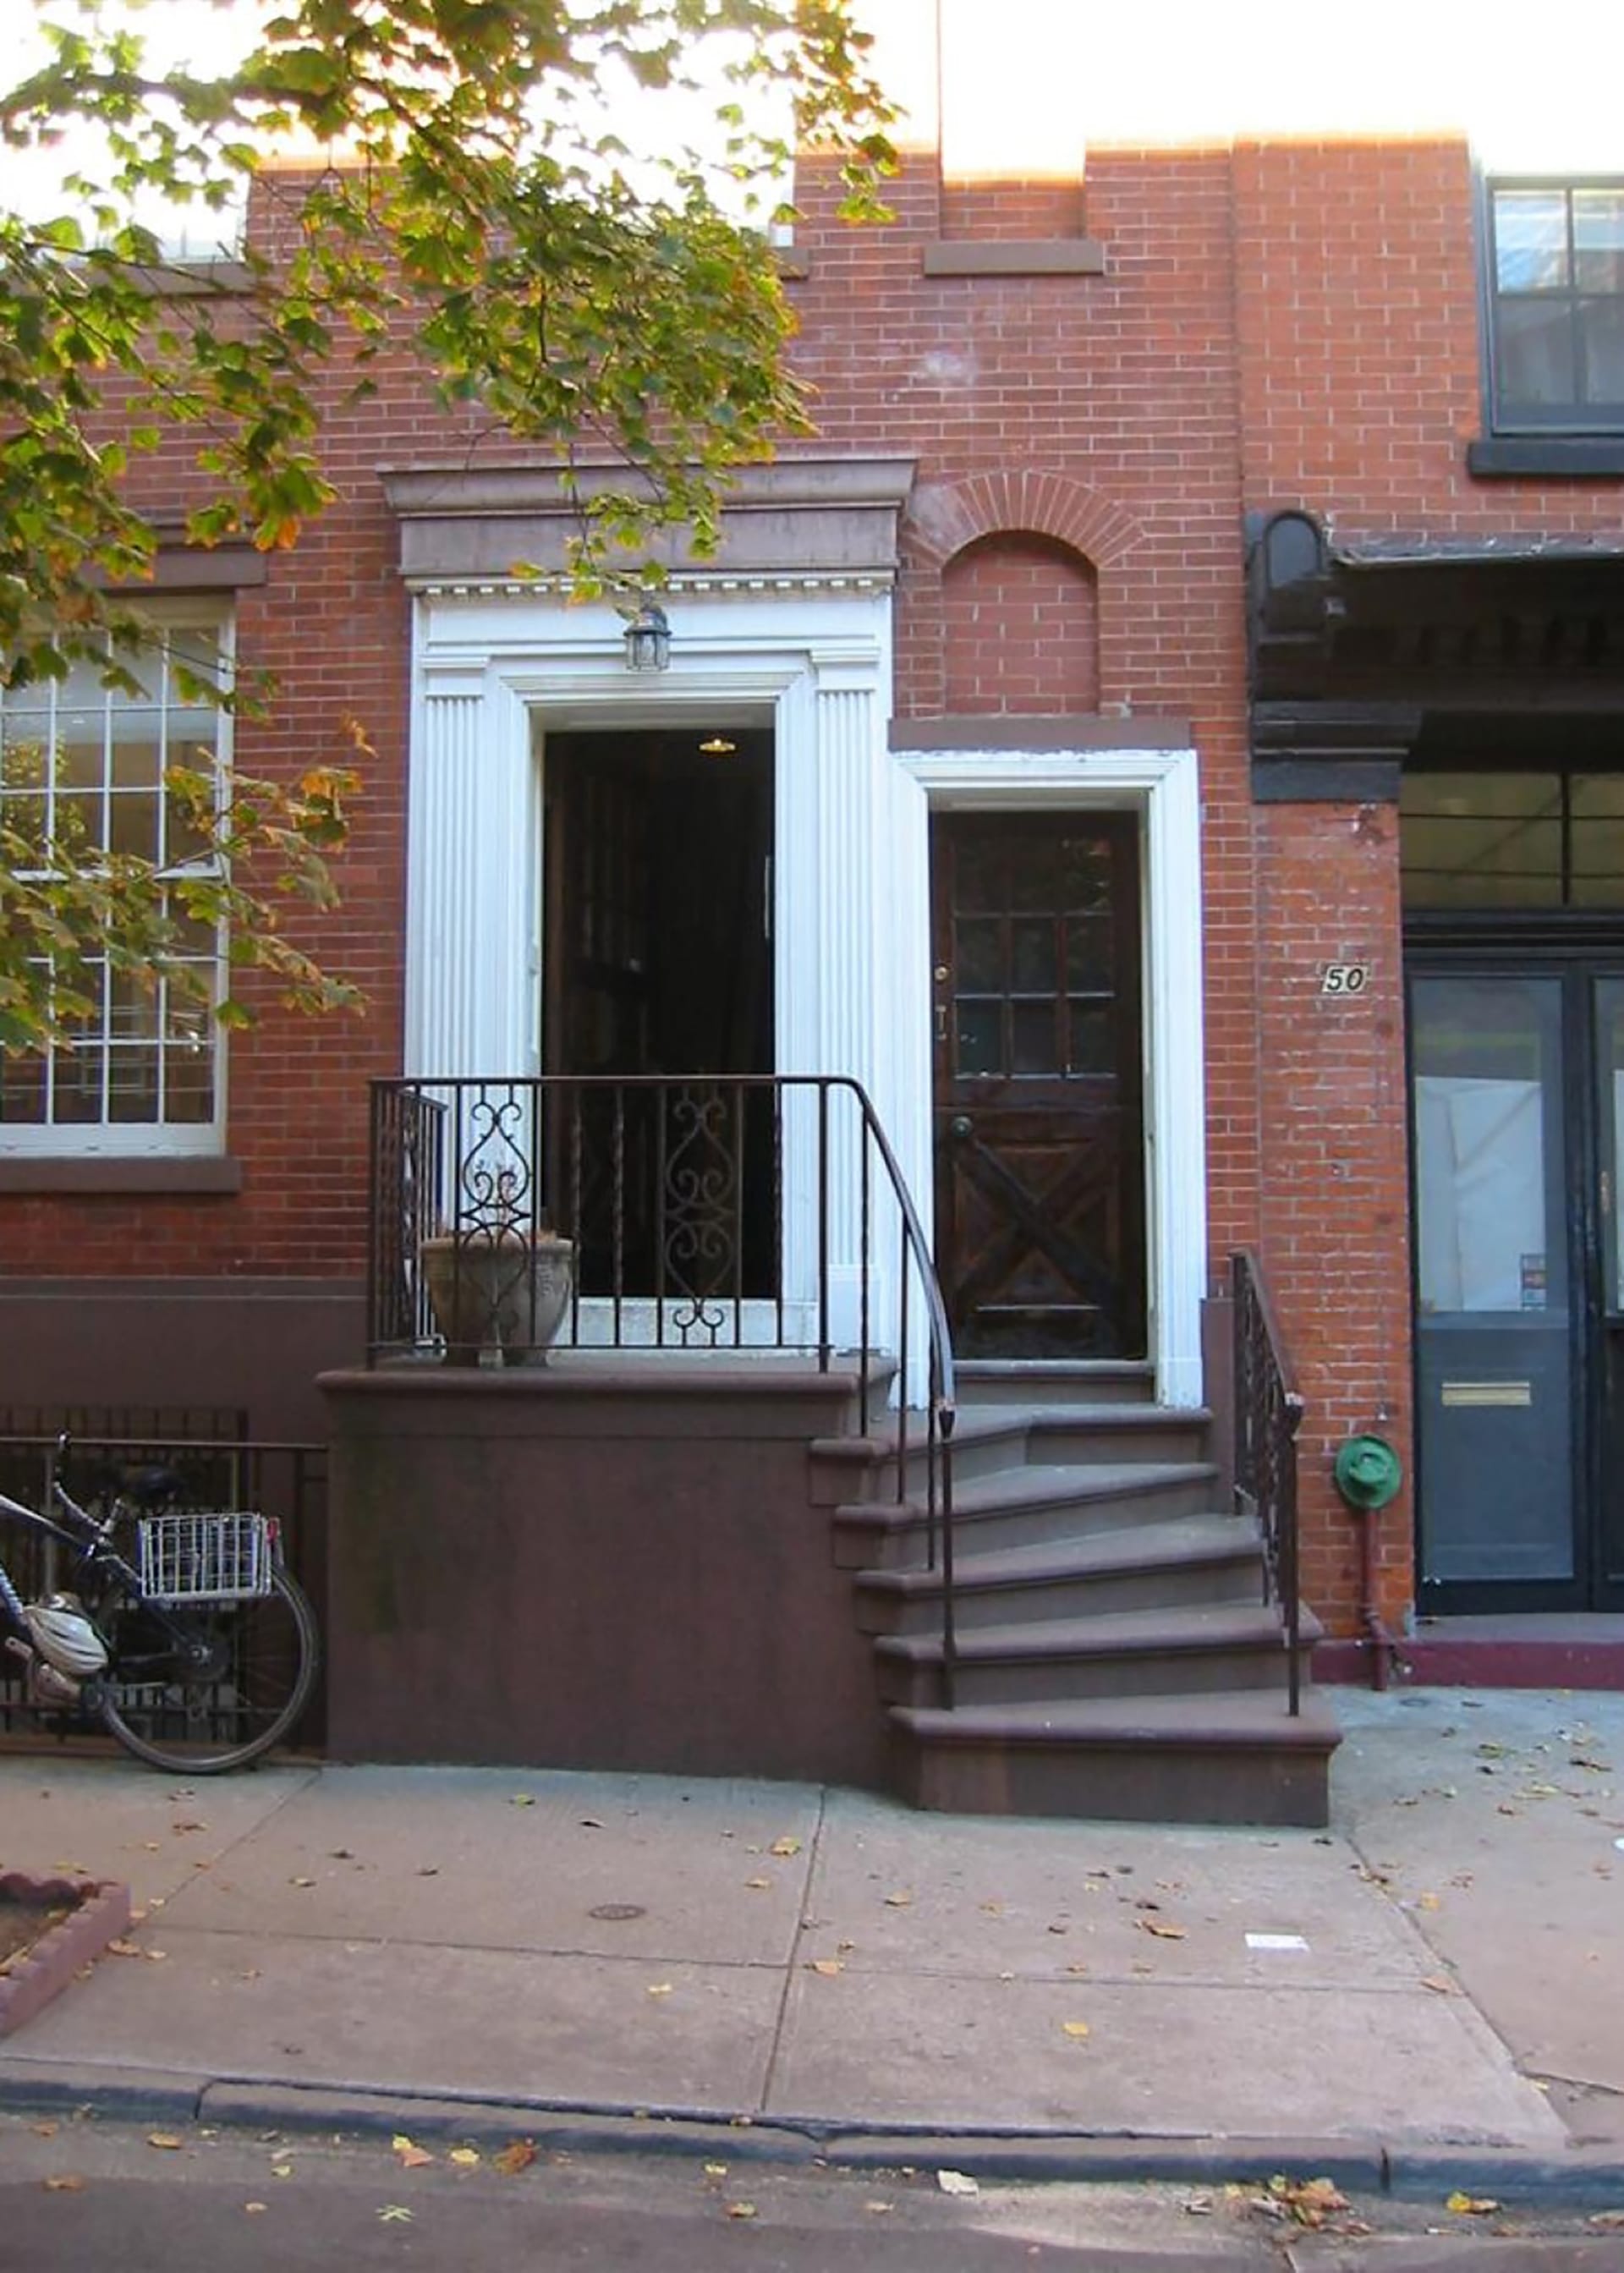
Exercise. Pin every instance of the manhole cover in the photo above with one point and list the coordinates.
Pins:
(616, 1913)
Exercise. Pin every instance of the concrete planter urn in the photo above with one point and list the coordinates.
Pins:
(502, 1293)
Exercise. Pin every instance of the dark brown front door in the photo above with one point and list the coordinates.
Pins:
(1039, 1167)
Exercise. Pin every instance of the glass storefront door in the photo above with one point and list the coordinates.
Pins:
(1517, 1105)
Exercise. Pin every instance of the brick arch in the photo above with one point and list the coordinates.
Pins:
(944, 517)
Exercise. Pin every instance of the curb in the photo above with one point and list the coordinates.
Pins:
(1588, 2179)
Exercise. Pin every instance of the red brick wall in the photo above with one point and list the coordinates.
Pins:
(1280, 325)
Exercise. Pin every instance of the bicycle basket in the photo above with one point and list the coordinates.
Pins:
(214, 1557)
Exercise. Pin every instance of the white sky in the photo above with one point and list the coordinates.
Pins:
(1028, 85)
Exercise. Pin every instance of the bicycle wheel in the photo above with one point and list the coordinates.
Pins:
(213, 1685)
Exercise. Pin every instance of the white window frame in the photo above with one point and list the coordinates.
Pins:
(149, 1140)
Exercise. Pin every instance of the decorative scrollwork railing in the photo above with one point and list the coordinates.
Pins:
(1269, 1413)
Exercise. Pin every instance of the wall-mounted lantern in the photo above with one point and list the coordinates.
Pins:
(648, 639)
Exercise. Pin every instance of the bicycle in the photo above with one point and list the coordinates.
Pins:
(198, 1655)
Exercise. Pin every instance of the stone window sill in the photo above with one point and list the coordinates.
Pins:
(1548, 457)
(107, 1176)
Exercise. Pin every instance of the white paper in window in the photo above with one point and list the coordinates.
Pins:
(1480, 1202)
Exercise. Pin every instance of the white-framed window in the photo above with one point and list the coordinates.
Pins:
(84, 763)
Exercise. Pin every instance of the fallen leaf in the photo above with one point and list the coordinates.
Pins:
(715, 2170)
(1473, 2205)
(523, 1800)
(1310, 2200)
(120, 1948)
(592, 1823)
(464, 2157)
(785, 1847)
(898, 1902)
(254, 2209)
(155, 1956)
(1078, 2028)
(741, 2210)
(1077, 1966)
(282, 2170)
(992, 1909)
(877, 2208)
(1162, 1931)
(165, 2139)
(1428, 1902)
(659, 1988)
(517, 2155)
(68, 2182)
(44, 2130)
(1606, 2221)
(301, 1882)
(756, 1885)
(828, 1966)
(955, 2182)
(395, 2214)
(1438, 1983)
(412, 2156)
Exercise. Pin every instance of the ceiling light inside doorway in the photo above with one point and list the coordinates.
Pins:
(718, 746)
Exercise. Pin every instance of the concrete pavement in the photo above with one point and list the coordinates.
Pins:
(1431, 1994)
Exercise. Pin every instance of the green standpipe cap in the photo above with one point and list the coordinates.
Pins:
(1368, 1471)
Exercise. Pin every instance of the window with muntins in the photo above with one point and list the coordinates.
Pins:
(1556, 306)
(1506, 839)
(83, 764)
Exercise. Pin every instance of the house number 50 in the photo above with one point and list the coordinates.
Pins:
(1344, 979)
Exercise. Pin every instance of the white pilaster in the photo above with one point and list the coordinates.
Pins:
(472, 986)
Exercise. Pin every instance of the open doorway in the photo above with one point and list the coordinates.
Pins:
(659, 961)
(659, 949)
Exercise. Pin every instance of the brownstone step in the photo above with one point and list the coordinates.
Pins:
(1215, 1646)
(1022, 1506)
(1238, 1758)
(1206, 1558)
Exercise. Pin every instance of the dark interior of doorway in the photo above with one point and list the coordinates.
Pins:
(659, 961)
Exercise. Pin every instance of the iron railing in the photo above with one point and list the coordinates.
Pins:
(1268, 1412)
(761, 1212)
(289, 1481)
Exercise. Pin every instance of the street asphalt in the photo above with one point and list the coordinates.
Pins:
(1427, 1999)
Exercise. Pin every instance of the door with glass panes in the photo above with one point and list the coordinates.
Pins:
(1515, 967)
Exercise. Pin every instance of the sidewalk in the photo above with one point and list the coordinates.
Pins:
(1434, 1990)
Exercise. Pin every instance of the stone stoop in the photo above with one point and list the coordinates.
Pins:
(1116, 1656)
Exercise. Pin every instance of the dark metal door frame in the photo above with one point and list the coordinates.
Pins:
(1581, 957)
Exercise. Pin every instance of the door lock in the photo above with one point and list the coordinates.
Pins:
(941, 1022)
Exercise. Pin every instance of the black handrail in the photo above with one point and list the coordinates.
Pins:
(1268, 1412)
(678, 1195)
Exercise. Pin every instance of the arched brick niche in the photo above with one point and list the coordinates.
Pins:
(1019, 626)
(1010, 601)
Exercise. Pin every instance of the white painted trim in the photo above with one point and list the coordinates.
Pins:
(1163, 786)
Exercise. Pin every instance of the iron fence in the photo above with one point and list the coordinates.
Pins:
(217, 1467)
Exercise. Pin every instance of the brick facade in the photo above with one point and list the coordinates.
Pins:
(1276, 325)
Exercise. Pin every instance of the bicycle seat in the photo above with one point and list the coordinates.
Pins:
(150, 1487)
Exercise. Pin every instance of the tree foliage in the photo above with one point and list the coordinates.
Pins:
(464, 193)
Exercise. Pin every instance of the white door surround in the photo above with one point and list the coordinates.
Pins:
(1162, 786)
